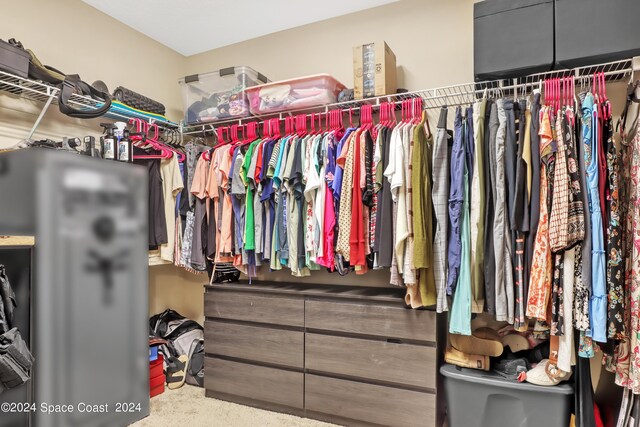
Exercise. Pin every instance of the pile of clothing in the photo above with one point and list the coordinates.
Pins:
(219, 105)
(286, 97)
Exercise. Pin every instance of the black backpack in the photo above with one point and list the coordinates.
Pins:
(185, 337)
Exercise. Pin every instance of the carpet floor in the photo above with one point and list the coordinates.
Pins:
(188, 406)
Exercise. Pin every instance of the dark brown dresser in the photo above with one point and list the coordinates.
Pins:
(348, 355)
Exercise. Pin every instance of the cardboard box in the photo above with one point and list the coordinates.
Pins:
(374, 70)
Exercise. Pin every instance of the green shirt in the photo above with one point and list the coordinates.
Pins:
(422, 207)
(249, 236)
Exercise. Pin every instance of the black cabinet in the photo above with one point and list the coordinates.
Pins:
(594, 31)
(512, 38)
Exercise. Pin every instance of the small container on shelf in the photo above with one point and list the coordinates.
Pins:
(218, 95)
(303, 92)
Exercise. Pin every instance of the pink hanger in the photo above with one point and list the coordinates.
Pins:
(165, 153)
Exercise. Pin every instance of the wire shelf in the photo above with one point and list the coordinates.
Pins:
(42, 92)
(454, 95)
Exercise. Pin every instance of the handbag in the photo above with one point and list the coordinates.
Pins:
(68, 84)
(7, 302)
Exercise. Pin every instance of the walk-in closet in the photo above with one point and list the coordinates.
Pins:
(296, 213)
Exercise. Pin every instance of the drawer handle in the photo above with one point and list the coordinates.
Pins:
(394, 340)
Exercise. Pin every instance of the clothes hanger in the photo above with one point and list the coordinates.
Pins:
(275, 128)
(252, 130)
(247, 138)
(388, 110)
(546, 92)
(287, 126)
(556, 94)
(382, 116)
(366, 114)
(156, 132)
(220, 137)
(419, 110)
(148, 136)
(608, 111)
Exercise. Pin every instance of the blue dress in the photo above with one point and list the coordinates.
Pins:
(598, 301)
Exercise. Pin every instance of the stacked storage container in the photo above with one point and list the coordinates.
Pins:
(218, 95)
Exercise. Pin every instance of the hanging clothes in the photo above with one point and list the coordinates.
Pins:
(157, 213)
(541, 268)
(519, 215)
(502, 232)
(440, 197)
(598, 274)
(422, 206)
(460, 320)
(477, 203)
(615, 266)
(456, 199)
(491, 120)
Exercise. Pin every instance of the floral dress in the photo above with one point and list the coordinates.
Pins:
(628, 351)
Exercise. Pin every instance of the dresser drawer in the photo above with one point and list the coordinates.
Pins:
(375, 360)
(261, 344)
(254, 382)
(371, 319)
(251, 307)
(370, 403)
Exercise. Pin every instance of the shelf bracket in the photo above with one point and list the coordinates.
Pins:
(52, 93)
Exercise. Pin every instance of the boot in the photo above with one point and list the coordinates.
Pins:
(484, 341)
(473, 361)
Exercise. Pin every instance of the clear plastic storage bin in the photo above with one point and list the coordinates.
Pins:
(218, 95)
(293, 94)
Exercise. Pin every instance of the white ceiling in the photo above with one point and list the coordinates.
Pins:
(194, 26)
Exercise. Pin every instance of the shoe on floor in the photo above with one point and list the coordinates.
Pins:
(546, 374)
(483, 341)
(473, 361)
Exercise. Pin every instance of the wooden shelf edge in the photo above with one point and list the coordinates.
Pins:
(17, 241)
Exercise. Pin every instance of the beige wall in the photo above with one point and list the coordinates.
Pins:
(171, 287)
(78, 39)
(432, 40)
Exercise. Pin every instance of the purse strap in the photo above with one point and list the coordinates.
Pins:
(71, 83)
(68, 85)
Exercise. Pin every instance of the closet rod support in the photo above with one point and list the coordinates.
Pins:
(45, 107)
